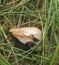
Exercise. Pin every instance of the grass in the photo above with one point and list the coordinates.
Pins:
(42, 14)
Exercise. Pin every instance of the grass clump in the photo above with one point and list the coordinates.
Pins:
(42, 14)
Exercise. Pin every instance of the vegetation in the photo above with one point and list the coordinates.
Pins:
(42, 14)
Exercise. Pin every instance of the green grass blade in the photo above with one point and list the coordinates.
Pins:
(3, 61)
(20, 4)
(55, 54)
